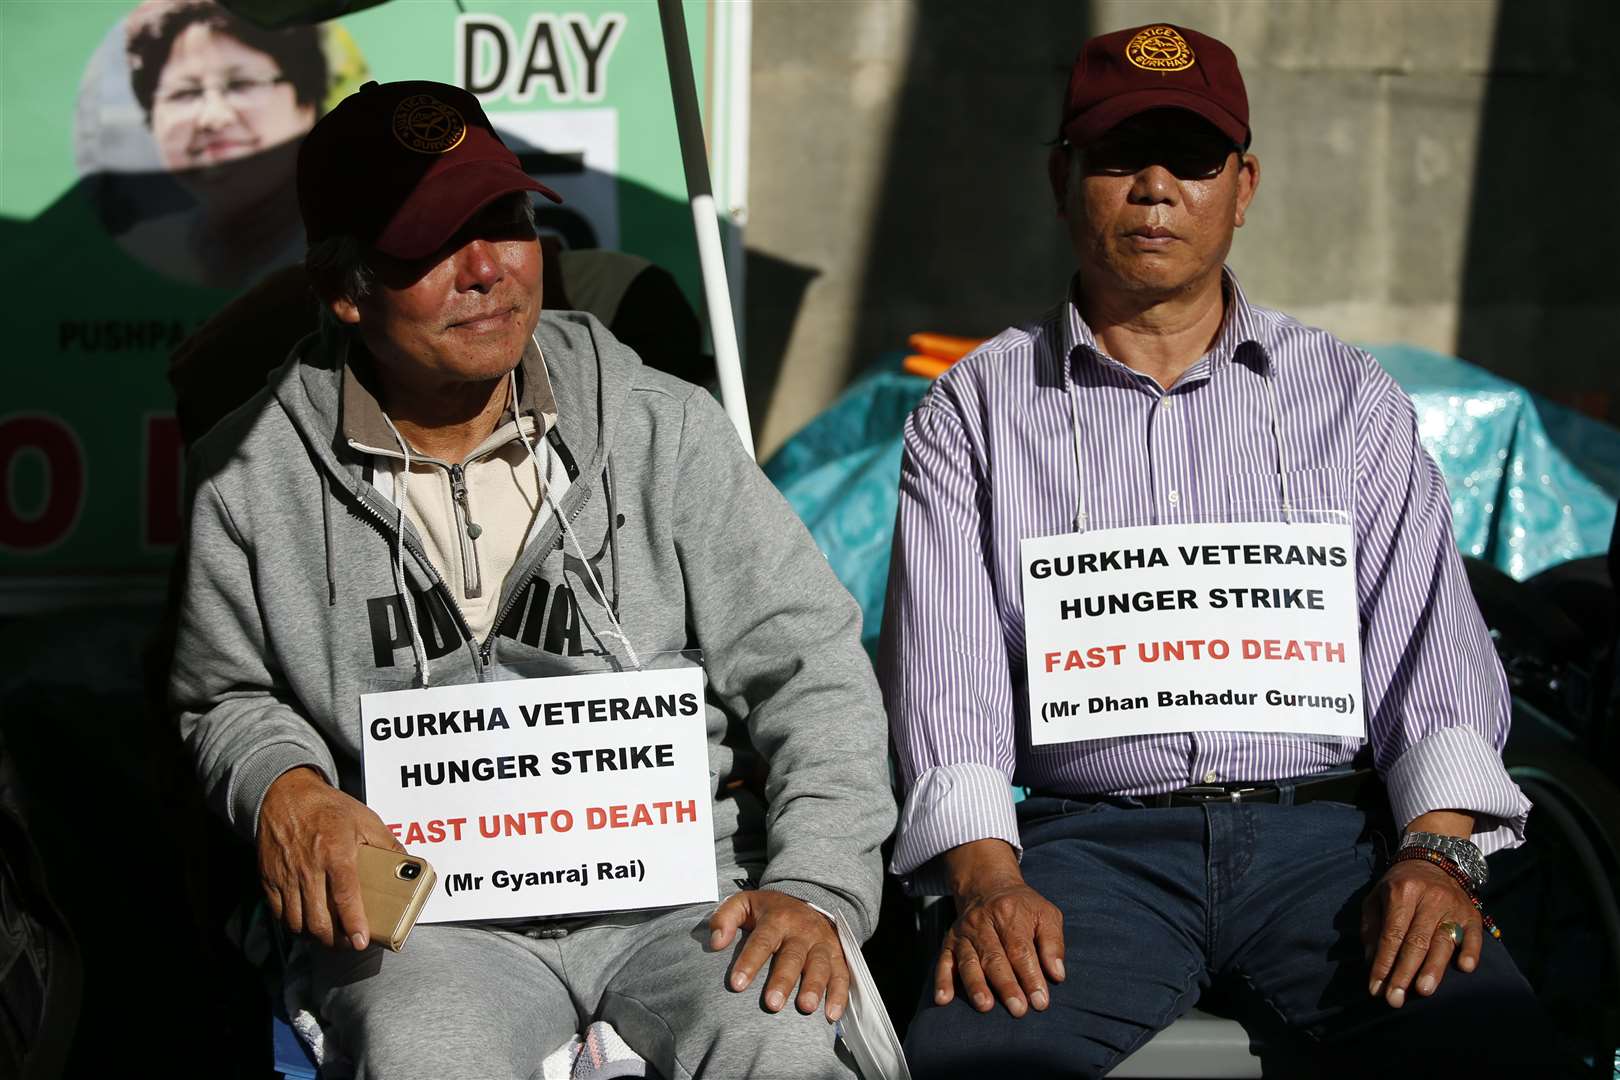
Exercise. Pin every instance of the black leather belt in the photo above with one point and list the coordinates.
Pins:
(1359, 788)
(1345, 787)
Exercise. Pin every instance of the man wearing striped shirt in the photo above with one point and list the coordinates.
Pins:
(1144, 870)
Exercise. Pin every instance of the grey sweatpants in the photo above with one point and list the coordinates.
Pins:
(487, 1004)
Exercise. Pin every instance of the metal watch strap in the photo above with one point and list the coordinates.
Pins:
(1464, 853)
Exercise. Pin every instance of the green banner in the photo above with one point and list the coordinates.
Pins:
(146, 176)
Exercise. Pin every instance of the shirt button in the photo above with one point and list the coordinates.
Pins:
(1167, 403)
(1212, 777)
(1175, 497)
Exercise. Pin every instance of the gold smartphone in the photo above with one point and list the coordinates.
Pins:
(393, 888)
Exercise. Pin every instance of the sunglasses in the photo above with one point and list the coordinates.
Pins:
(1184, 157)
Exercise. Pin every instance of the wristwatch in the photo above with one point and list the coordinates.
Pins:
(1464, 853)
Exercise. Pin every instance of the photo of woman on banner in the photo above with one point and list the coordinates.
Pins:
(224, 105)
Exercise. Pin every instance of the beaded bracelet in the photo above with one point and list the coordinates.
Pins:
(1429, 855)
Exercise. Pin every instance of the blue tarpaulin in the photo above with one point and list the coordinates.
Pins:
(1532, 484)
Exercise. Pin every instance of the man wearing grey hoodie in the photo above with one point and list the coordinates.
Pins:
(385, 515)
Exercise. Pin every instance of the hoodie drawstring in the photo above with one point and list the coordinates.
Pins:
(551, 501)
(405, 599)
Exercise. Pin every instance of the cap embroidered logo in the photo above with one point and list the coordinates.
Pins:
(1159, 48)
(427, 125)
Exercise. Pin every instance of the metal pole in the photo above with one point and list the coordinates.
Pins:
(711, 256)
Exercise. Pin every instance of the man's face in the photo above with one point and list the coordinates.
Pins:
(1152, 204)
(460, 315)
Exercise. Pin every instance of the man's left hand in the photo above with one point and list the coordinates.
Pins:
(1400, 930)
(798, 940)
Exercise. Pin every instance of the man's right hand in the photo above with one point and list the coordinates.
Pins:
(309, 832)
(1007, 937)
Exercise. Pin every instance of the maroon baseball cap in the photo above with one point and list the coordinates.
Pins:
(1158, 66)
(401, 166)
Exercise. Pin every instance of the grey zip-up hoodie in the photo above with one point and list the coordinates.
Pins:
(291, 610)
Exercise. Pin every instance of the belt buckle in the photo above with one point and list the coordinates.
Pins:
(1216, 792)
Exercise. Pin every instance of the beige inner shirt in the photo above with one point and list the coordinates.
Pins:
(474, 519)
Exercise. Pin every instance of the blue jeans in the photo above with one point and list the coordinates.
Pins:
(1260, 903)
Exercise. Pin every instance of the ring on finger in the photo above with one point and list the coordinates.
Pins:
(1452, 929)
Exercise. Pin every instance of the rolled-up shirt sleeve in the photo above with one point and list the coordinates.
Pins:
(942, 659)
(1437, 699)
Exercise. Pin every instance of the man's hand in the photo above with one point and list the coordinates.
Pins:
(308, 834)
(1400, 921)
(1006, 934)
(799, 941)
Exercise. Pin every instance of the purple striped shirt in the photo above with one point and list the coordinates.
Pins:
(990, 458)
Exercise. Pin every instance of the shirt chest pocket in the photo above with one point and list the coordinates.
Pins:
(1312, 494)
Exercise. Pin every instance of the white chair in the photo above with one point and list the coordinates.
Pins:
(1197, 1044)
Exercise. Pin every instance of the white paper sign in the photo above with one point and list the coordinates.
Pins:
(865, 1026)
(1213, 627)
(555, 796)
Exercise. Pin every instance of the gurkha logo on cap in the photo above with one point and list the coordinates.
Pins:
(427, 125)
(1159, 48)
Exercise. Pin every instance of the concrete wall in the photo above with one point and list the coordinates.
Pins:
(1416, 184)
(1366, 117)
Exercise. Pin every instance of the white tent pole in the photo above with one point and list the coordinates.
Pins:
(711, 256)
(728, 134)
